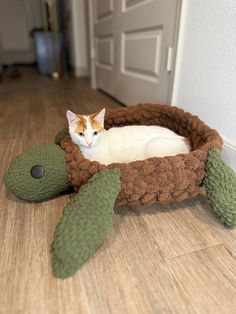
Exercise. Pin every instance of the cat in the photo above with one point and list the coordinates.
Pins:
(122, 144)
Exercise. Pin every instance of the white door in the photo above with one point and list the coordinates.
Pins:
(133, 48)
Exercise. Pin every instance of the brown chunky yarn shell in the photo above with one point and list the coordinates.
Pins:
(163, 179)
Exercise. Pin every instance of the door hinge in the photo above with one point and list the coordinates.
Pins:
(169, 63)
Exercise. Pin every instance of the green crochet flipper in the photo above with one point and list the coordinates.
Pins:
(61, 134)
(40, 173)
(220, 185)
(85, 223)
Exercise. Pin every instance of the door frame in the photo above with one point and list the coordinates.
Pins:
(92, 51)
(92, 47)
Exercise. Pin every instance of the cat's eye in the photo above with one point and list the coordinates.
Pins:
(81, 134)
(95, 133)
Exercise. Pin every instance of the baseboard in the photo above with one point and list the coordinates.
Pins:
(81, 71)
(12, 57)
(229, 152)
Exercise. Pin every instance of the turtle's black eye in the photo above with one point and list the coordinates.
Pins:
(81, 134)
(95, 133)
(37, 171)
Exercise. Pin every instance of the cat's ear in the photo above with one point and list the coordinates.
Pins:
(71, 117)
(100, 116)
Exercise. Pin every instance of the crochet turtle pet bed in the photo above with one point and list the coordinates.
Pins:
(43, 172)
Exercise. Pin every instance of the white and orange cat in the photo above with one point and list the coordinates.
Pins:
(122, 144)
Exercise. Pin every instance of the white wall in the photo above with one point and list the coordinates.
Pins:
(17, 19)
(79, 36)
(205, 77)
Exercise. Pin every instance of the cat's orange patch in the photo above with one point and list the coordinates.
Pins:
(94, 123)
(81, 125)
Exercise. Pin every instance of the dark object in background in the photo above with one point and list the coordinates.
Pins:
(50, 41)
(15, 73)
(11, 72)
(48, 46)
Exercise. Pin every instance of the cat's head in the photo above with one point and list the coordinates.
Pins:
(86, 130)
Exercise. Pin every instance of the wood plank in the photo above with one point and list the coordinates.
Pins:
(175, 258)
(177, 227)
(204, 213)
(206, 280)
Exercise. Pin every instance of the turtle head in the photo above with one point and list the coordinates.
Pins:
(38, 173)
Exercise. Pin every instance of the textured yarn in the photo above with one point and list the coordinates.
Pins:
(61, 134)
(85, 223)
(19, 180)
(220, 185)
(165, 179)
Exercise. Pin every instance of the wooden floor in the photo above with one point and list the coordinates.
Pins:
(157, 259)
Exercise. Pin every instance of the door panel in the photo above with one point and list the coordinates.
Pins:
(105, 52)
(134, 61)
(104, 8)
(132, 41)
(130, 4)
